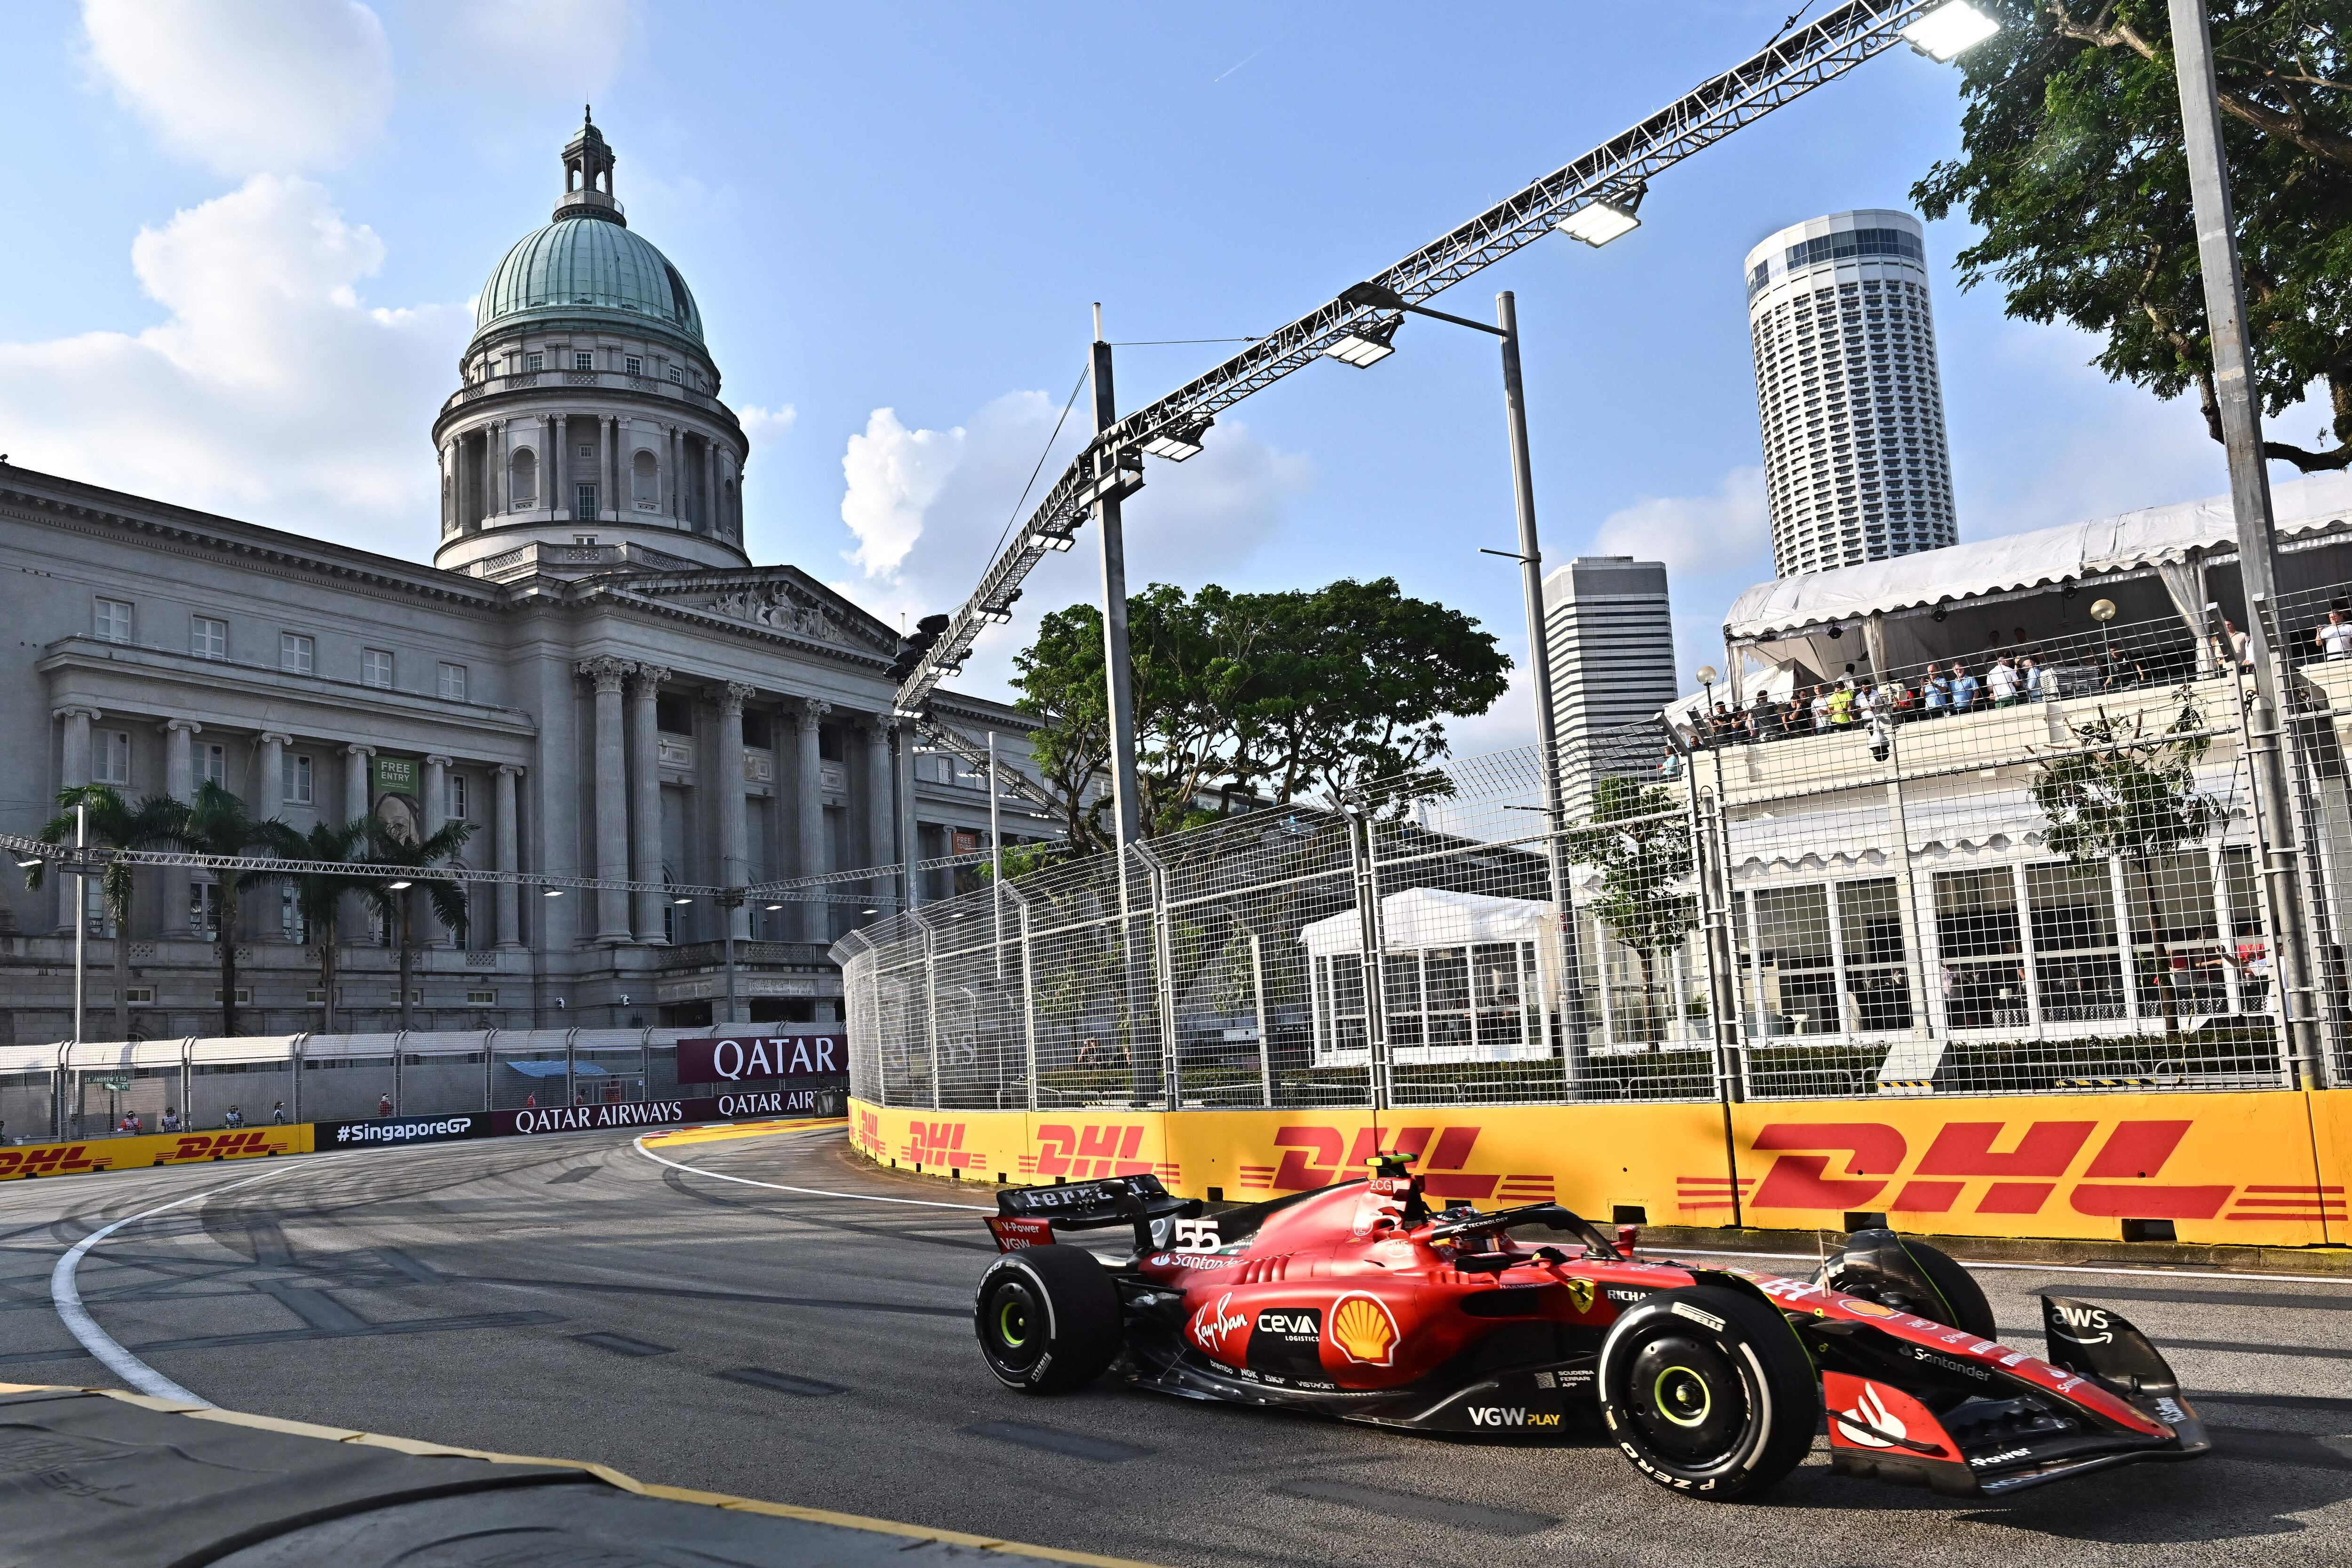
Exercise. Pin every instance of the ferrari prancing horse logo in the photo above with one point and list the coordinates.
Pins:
(1364, 1330)
(1579, 1294)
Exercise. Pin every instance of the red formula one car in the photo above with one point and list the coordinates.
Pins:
(1359, 1302)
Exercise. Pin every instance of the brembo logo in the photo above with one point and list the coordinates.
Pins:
(1981, 1168)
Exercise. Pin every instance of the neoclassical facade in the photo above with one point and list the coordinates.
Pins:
(592, 673)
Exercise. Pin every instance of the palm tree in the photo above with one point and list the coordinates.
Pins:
(116, 824)
(394, 890)
(319, 895)
(217, 823)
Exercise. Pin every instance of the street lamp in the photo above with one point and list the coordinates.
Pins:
(2104, 611)
(1947, 30)
(1366, 346)
(1178, 445)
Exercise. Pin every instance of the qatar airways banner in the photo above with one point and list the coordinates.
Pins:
(819, 1052)
(389, 1131)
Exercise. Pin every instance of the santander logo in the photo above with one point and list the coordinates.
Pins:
(1215, 1321)
(1871, 1411)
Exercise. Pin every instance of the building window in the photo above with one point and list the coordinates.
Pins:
(645, 480)
(481, 998)
(204, 912)
(584, 538)
(97, 917)
(453, 682)
(294, 780)
(677, 375)
(636, 366)
(534, 361)
(458, 802)
(139, 995)
(375, 668)
(110, 759)
(291, 926)
(207, 638)
(583, 361)
(244, 996)
(113, 622)
(522, 480)
(212, 765)
(296, 653)
(584, 502)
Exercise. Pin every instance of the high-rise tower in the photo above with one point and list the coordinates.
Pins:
(1855, 468)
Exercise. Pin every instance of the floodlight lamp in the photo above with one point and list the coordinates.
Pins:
(869, 912)
(28, 865)
(1177, 444)
(1041, 539)
(1366, 346)
(552, 893)
(1598, 223)
(681, 901)
(400, 886)
(993, 615)
(1948, 29)
(773, 907)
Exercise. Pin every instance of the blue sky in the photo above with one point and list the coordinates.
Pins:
(247, 234)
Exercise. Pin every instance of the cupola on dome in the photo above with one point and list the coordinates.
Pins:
(587, 262)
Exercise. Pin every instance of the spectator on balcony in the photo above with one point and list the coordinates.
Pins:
(1935, 693)
(1764, 718)
(2232, 648)
(1820, 707)
(1964, 689)
(2001, 679)
(2334, 638)
(1841, 704)
(2033, 680)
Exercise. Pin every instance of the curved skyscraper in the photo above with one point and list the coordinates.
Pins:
(1856, 466)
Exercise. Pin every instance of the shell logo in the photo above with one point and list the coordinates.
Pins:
(1364, 1330)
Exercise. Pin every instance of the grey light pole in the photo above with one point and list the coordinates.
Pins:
(2250, 499)
(1118, 665)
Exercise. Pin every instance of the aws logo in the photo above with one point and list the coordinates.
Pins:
(2084, 1326)
(1981, 1168)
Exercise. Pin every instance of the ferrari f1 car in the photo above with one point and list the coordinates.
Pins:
(1359, 1301)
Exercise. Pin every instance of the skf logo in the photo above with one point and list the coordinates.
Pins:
(1509, 1415)
(1316, 1156)
(1364, 1330)
(1980, 1167)
(939, 1144)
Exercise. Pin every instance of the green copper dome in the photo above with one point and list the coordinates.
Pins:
(587, 266)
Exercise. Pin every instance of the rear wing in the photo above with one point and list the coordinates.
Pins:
(1029, 1216)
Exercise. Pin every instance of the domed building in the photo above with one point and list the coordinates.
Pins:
(591, 674)
(590, 410)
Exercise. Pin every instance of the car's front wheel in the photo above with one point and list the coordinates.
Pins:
(1708, 1392)
(1048, 1318)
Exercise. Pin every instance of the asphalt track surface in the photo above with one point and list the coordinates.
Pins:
(572, 1297)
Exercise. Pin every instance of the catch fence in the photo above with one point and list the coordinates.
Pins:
(2057, 886)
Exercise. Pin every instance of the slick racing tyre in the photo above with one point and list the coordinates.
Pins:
(1961, 1293)
(1048, 1318)
(1708, 1392)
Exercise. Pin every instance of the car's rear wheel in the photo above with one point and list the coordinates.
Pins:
(1708, 1392)
(1048, 1318)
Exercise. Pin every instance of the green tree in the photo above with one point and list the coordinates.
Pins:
(113, 823)
(319, 895)
(2072, 165)
(2125, 794)
(1287, 693)
(402, 864)
(217, 823)
(1638, 838)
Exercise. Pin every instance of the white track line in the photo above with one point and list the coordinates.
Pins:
(64, 1294)
(639, 1144)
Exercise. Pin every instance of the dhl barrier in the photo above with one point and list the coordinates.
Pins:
(2263, 1168)
(26, 1160)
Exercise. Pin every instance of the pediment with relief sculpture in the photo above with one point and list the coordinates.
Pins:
(788, 607)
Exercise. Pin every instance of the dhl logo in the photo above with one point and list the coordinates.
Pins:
(53, 1159)
(868, 1136)
(1103, 1149)
(1312, 1157)
(217, 1146)
(1986, 1167)
(939, 1144)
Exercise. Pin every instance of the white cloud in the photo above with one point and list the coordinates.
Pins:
(272, 392)
(1726, 531)
(763, 427)
(247, 85)
(927, 509)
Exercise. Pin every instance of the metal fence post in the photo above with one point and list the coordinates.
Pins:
(1709, 854)
(1163, 989)
(1372, 942)
(930, 1001)
(490, 1067)
(1028, 1000)
(1257, 990)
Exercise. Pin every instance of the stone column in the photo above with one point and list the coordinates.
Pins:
(559, 467)
(712, 523)
(815, 855)
(613, 467)
(910, 829)
(508, 839)
(550, 465)
(73, 772)
(267, 797)
(430, 931)
(356, 799)
(644, 798)
(734, 870)
(180, 783)
(880, 825)
(611, 796)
